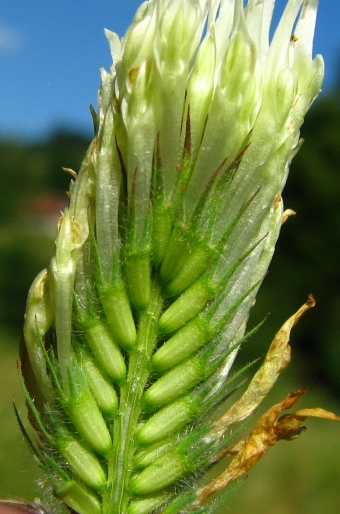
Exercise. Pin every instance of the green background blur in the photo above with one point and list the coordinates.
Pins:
(298, 477)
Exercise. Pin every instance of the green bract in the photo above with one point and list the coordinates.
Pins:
(131, 332)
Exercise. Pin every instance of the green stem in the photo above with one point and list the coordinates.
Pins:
(116, 498)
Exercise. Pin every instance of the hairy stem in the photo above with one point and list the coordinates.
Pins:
(116, 498)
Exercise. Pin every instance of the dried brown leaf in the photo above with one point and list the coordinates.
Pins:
(267, 431)
(289, 425)
(263, 436)
(276, 360)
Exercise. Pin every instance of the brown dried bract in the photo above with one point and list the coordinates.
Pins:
(287, 214)
(276, 360)
(268, 430)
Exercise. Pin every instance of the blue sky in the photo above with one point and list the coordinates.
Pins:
(51, 52)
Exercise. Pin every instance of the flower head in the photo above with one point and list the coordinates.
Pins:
(132, 330)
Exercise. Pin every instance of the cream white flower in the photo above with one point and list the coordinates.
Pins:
(173, 220)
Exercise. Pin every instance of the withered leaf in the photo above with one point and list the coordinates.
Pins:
(268, 430)
(289, 425)
(276, 360)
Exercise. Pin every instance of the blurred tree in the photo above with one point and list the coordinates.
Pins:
(62, 149)
(33, 189)
(22, 170)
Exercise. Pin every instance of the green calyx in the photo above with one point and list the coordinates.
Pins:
(117, 310)
(105, 350)
(101, 385)
(183, 458)
(79, 499)
(84, 462)
(147, 504)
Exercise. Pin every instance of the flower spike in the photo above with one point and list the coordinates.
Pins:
(131, 332)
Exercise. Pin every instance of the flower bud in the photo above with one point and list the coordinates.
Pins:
(145, 457)
(84, 413)
(81, 500)
(200, 90)
(89, 422)
(100, 385)
(38, 319)
(164, 471)
(105, 349)
(82, 461)
(174, 383)
(167, 421)
(187, 340)
(190, 303)
(146, 505)
(119, 317)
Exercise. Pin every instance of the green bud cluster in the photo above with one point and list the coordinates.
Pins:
(131, 332)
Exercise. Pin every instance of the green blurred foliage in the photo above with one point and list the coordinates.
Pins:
(29, 169)
(33, 187)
